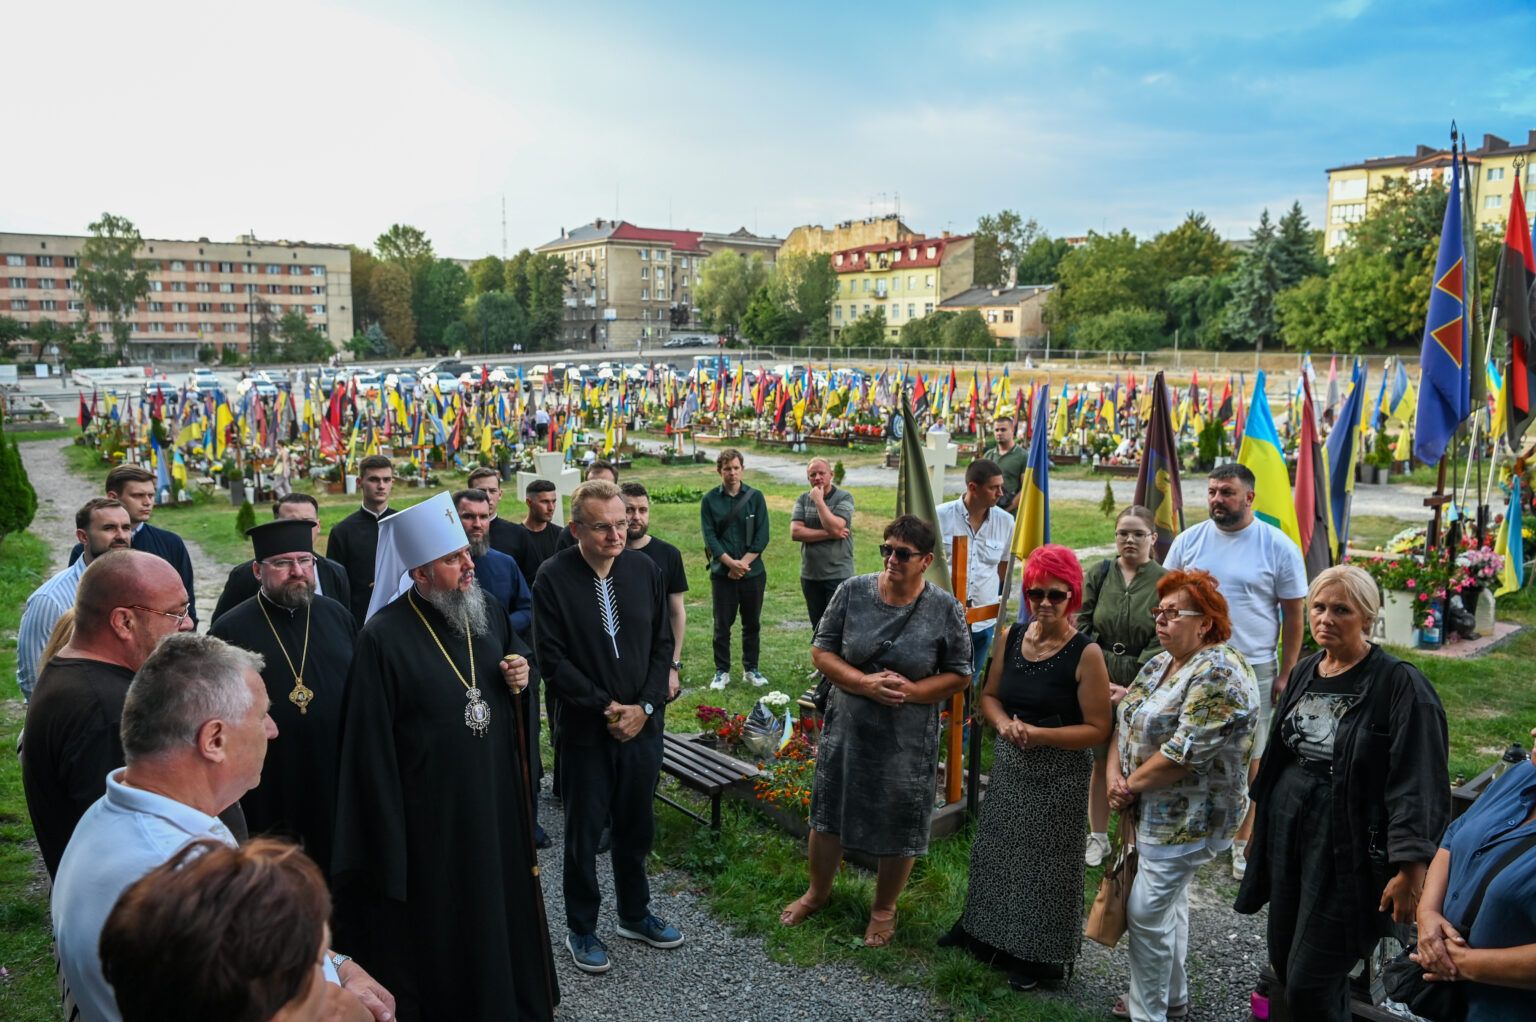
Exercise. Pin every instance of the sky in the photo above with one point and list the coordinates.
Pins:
(329, 121)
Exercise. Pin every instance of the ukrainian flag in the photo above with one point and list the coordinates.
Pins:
(1511, 544)
(1032, 526)
(1262, 454)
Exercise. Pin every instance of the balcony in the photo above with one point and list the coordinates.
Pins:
(881, 295)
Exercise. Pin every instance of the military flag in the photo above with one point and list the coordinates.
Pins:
(1512, 299)
(1157, 480)
(1444, 369)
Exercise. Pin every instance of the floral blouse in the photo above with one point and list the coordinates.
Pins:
(1203, 718)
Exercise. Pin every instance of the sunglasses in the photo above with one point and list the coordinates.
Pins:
(901, 553)
(1048, 595)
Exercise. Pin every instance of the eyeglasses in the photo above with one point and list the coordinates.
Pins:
(290, 563)
(901, 553)
(186, 612)
(605, 529)
(1048, 595)
(1158, 613)
(1131, 534)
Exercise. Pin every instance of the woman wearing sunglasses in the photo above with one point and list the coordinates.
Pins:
(895, 648)
(1118, 597)
(1047, 697)
(1179, 767)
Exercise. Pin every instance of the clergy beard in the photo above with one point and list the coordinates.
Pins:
(292, 596)
(478, 547)
(460, 607)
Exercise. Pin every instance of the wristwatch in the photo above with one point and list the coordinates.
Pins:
(648, 708)
(677, 665)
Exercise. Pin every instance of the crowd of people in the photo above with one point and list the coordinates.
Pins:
(379, 707)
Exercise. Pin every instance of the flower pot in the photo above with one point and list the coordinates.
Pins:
(1396, 627)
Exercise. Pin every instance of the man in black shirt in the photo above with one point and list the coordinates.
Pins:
(502, 534)
(330, 577)
(355, 539)
(604, 646)
(637, 511)
(535, 538)
(599, 470)
(126, 603)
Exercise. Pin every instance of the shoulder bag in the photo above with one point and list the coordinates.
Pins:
(1440, 1001)
(823, 691)
(1107, 917)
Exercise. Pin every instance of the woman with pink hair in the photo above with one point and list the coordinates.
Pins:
(1047, 697)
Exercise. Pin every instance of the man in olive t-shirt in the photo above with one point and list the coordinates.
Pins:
(822, 523)
(1011, 458)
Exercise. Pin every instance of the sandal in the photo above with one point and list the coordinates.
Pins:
(1120, 1010)
(881, 929)
(798, 911)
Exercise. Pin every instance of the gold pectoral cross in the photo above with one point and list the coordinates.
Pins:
(302, 695)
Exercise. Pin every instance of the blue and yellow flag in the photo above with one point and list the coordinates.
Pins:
(1262, 454)
(1511, 544)
(1444, 362)
(1032, 524)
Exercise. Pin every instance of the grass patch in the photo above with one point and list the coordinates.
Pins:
(29, 995)
(28, 436)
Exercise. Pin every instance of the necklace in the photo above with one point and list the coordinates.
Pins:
(477, 715)
(302, 695)
(1339, 668)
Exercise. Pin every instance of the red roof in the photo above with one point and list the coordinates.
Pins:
(858, 260)
(681, 241)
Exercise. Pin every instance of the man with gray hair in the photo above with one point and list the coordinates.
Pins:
(195, 732)
(435, 873)
(822, 523)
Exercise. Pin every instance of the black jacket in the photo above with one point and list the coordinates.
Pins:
(242, 585)
(1391, 794)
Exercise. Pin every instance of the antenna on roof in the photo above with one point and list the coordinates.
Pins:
(503, 226)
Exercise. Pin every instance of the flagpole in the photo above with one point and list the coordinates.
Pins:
(973, 765)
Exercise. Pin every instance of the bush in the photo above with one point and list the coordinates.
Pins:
(675, 495)
(245, 519)
(18, 501)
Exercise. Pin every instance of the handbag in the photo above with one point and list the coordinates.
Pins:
(1107, 918)
(1440, 1001)
(823, 693)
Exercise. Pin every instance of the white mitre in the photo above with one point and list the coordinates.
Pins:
(409, 539)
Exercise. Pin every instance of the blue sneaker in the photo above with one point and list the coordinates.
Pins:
(589, 953)
(653, 931)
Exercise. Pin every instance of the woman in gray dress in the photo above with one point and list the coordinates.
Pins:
(895, 648)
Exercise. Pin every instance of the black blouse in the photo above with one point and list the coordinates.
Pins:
(1042, 692)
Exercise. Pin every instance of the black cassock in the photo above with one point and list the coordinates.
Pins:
(297, 794)
(435, 873)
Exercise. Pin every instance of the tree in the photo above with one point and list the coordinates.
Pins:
(439, 301)
(1191, 249)
(515, 277)
(11, 329)
(264, 347)
(1040, 259)
(1108, 272)
(1000, 240)
(391, 288)
(803, 285)
(406, 247)
(1196, 305)
(1122, 330)
(501, 320)
(727, 284)
(545, 278)
(368, 344)
(111, 278)
(457, 337)
(487, 274)
(1301, 313)
(301, 341)
(365, 310)
(968, 332)
(766, 321)
(868, 331)
(1250, 315)
(1298, 248)
(245, 518)
(925, 333)
(18, 500)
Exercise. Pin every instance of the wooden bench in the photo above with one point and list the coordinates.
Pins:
(703, 770)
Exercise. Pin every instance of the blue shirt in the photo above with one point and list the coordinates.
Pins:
(45, 606)
(1477, 842)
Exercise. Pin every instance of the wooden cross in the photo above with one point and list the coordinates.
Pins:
(551, 465)
(939, 454)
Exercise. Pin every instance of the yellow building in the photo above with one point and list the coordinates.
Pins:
(907, 279)
(1352, 187)
(814, 239)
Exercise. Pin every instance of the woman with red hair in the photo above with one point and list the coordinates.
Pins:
(1047, 697)
(1179, 769)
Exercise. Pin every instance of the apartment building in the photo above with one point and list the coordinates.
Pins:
(630, 285)
(813, 239)
(200, 292)
(908, 279)
(1353, 186)
(1015, 315)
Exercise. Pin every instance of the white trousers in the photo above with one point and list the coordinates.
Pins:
(1157, 918)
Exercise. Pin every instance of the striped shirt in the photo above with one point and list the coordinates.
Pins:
(45, 606)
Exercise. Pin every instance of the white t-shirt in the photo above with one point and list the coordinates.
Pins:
(1256, 567)
(985, 550)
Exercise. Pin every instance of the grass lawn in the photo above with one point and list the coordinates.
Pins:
(751, 871)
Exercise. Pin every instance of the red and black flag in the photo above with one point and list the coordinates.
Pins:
(1224, 410)
(1512, 303)
(919, 398)
(85, 413)
(1313, 502)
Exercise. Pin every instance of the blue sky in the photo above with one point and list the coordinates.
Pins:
(329, 121)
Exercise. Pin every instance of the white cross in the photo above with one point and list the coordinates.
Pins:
(939, 454)
(551, 465)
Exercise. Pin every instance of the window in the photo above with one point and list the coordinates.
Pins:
(866, 284)
(645, 273)
(18, 305)
(72, 284)
(911, 282)
(1495, 173)
(928, 281)
(645, 254)
(178, 285)
(895, 283)
(202, 266)
(19, 283)
(929, 252)
(76, 306)
(157, 328)
(645, 314)
(897, 257)
(45, 260)
(1007, 315)
(1493, 202)
(247, 267)
(273, 269)
(70, 262)
(156, 285)
(226, 267)
(837, 313)
(47, 283)
(274, 289)
(991, 315)
(1349, 188)
(230, 328)
(156, 306)
(226, 289)
(645, 294)
(177, 266)
(895, 312)
(317, 271)
(911, 311)
(866, 310)
(295, 270)
(295, 289)
(1348, 213)
(318, 310)
(250, 289)
(48, 305)
(1422, 176)
(205, 328)
(927, 308)
(182, 328)
(660, 254)
(204, 307)
(839, 259)
(683, 262)
(178, 306)
(15, 260)
(226, 306)
(316, 289)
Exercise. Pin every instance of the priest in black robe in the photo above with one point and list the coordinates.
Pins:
(434, 869)
(603, 640)
(306, 640)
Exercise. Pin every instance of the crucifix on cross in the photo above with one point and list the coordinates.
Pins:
(939, 454)
(551, 465)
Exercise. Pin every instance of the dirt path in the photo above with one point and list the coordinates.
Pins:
(59, 495)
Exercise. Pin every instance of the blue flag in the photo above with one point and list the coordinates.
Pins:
(1343, 451)
(1445, 379)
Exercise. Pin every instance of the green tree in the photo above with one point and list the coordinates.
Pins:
(727, 284)
(10, 330)
(967, 332)
(1250, 315)
(925, 333)
(264, 339)
(245, 518)
(391, 287)
(803, 285)
(457, 337)
(766, 321)
(439, 301)
(1301, 312)
(1038, 264)
(407, 247)
(1196, 305)
(365, 310)
(368, 344)
(501, 320)
(111, 277)
(545, 279)
(18, 500)
(1108, 272)
(487, 274)
(868, 331)
(1298, 248)
(1191, 249)
(1121, 330)
(515, 277)
(1000, 241)
(301, 341)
